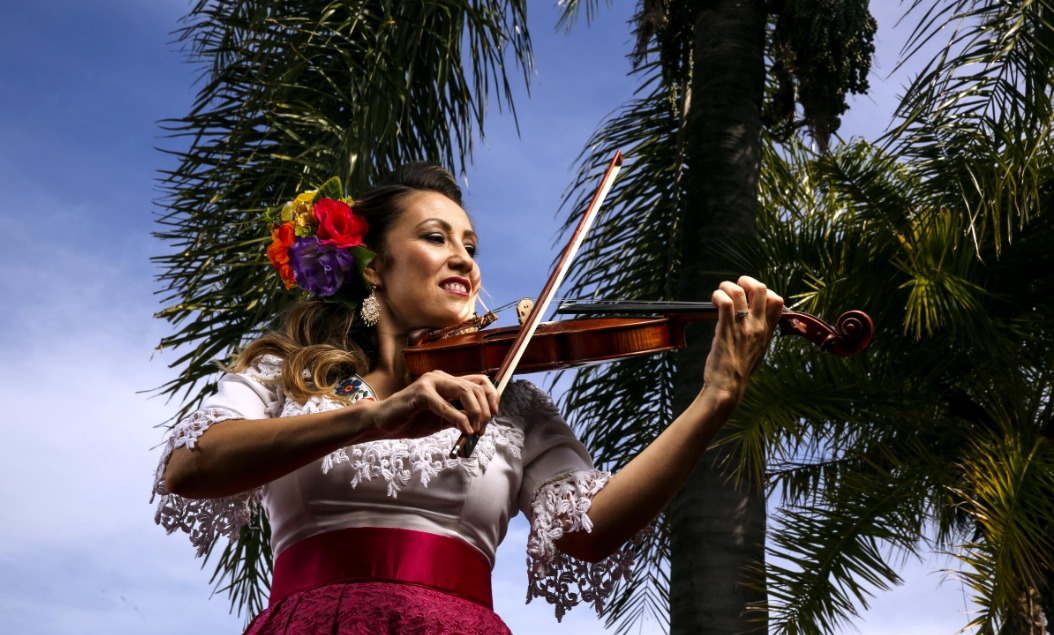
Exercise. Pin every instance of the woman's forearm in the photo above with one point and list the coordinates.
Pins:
(237, 455)
(642, 489)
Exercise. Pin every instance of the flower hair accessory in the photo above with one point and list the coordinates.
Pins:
(317, 244)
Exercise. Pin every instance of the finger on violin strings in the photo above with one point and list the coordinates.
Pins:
(726, 306)
(737, 293)
(756, 294)
(764, 304)
(773, 308)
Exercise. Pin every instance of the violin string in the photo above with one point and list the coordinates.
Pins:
(631, 307)
(504, 307)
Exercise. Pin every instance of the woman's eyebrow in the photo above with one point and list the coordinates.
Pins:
(447, 227)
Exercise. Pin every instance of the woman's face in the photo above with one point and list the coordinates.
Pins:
(428, 276)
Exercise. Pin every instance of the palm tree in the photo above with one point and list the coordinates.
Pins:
(291, 94)
(943, 440)
(941, 437)
(689, 201)
(953, 215)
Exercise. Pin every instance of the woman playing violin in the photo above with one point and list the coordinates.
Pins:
(374, 527)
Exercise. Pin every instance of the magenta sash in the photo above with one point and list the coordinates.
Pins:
(383, 555)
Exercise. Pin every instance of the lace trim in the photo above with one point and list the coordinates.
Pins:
(562, 506)
(267, 368)
(204, 520)
(398, 461)
(522, 398)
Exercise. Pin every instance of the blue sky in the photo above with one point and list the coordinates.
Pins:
(82, 87)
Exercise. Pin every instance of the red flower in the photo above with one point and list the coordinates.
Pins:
(338, 224)
(284, 236)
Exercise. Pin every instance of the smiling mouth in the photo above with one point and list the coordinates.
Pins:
(453, 286)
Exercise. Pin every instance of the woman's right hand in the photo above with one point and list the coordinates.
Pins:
(426, 406)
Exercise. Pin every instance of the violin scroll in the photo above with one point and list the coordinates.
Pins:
(851, 334)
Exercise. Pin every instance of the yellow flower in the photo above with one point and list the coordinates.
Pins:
(301, 213)
(295, 208)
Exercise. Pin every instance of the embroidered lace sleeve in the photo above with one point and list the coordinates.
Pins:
(559, 483)
(562, 506)
(249, 395)
(206, 519)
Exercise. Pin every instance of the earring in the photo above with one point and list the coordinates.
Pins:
(371, 309)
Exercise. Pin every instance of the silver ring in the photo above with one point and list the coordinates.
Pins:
(740, 315)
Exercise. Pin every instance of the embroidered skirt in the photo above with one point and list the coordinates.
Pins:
(376, 608)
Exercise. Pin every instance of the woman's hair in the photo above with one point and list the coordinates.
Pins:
(322, 343)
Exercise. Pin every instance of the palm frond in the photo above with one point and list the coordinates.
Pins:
(572, 10)
(988, 93)
(856, 228)
(645, 598)
(245, 566)
(827, 560)
(293, 93)
(1008, 475)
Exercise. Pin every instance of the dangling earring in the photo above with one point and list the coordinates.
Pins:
(371, 309)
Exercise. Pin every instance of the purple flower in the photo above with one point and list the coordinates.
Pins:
(319, 268)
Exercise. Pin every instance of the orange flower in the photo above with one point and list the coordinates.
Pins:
(283, 236)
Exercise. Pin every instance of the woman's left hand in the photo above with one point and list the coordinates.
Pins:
(747, 317)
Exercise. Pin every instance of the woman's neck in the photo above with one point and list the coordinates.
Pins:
(388, 375)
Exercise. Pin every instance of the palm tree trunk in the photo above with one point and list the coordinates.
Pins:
(1027, 619)
(717, 526)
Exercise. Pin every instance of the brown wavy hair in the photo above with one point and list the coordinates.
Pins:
(321, 343)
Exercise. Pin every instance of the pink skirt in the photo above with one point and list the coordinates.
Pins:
(376, 608)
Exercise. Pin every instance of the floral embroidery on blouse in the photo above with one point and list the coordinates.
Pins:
(356, 389)
(398, 461)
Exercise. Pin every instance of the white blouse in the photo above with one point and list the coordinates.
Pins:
(528, 460)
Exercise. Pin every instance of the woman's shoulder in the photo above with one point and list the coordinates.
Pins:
(524, 400)
(265, 368)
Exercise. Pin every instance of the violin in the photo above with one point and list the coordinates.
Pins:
(535, 347)
(584, 341)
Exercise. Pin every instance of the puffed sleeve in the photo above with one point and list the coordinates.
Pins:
(559, 483)
(239, 396)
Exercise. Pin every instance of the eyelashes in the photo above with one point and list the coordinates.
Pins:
(440, 239)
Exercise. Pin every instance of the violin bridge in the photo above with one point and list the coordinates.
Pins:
(523, 309)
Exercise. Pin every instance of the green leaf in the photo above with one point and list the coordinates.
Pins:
(331, 189)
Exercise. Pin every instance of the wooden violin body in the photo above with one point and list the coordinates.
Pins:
(580, 342)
